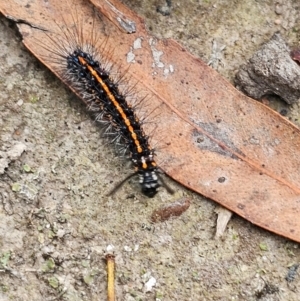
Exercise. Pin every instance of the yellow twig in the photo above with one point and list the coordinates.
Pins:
(110, 277)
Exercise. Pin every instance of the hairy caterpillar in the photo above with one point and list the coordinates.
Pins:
(77, 58)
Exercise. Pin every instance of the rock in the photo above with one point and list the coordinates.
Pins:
(271, 70)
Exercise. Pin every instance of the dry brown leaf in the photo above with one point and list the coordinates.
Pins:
(213, 139)
(170, 210)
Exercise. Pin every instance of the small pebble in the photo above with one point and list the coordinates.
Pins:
(278, 9)
(110, 248)
(149, 284)
(127, 249)
(277, 22)
(20, 102)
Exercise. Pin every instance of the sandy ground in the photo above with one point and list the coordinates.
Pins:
(55, 220)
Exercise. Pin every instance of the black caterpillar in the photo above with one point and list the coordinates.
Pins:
(102, 96)
(75, 52)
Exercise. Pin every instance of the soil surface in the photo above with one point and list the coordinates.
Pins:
(56, 222)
